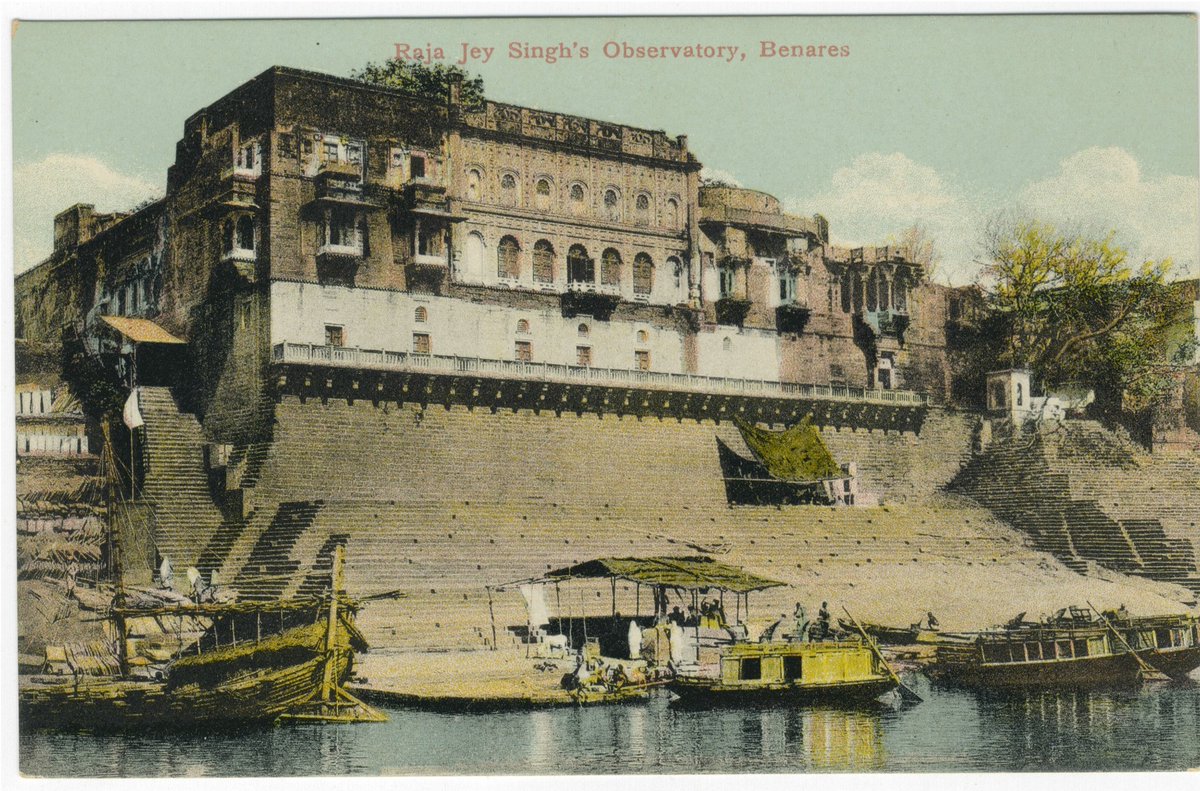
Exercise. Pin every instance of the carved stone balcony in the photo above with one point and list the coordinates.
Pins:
(732, 311)
(338, 264)
(588, 300)
(792, 317)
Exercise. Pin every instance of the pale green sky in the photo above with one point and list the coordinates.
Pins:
(938, 119)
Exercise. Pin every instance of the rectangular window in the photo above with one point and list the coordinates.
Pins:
(421, 343)
(726, 281)
(787, 288)
(792, 667)
(583, 356)
(837, 373)
(641, 360)
(524, 351)
(418, 166)
(334, 335)
(354, 153)
(751, 669)
(331, 152)
(244, 317)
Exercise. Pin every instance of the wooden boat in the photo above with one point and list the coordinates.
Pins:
(894, 635)
(844, 671)
(1171, 642)
(294, 671)
(1073, 651)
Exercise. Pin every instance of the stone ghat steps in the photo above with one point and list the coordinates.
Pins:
(1085, 494)
(271, 567)
(444, 556)
(176, 480)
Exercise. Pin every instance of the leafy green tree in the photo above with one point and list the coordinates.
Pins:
(1074, 308)
(431, 82)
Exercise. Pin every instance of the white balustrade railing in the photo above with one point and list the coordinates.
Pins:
(379, 359)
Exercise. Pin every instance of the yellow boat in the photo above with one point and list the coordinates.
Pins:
(842, 671)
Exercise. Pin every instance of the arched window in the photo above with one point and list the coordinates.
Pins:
(508, 258)
(420, 315)
(612, 204)
(227, 236)
(872, 292)
(672, 213)
(543, 262)
(245, 232)
(583, 330)
(901, 292)
(642, 336)
(577, 197)
(473, 258)
(580, 268)
(474, 179)
(643, 274)
(846, 287)
(542, 191)
(857, 292)
(522, 327)
(610, 268)
(508, 189)
(727, 345)
(642, 208)
(885, 291)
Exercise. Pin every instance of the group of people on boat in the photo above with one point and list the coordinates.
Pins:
(798, 628)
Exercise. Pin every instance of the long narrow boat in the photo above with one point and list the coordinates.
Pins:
(840, 672)
(294, 670)
(1070, 652)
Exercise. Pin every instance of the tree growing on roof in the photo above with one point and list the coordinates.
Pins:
(1076, 308)
(921, 248)
(431, 82)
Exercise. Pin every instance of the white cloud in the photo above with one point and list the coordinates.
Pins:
(1104, 189)
(716, 174)
(878, 196)
(44, 188)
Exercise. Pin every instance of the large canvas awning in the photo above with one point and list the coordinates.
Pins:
(140, 330)
(689, 573)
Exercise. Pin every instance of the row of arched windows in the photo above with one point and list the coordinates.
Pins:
(581, 267)
(875, 291)
(575, 198)
(237, 235)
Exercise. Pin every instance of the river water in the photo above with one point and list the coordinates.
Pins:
(1154, 728)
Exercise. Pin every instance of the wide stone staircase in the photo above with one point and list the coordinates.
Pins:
(175, 483)
(1086, 494)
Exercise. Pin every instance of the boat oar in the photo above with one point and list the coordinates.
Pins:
(1148, 672)
(906, 692)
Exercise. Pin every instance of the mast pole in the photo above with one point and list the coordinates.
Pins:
(327, 680)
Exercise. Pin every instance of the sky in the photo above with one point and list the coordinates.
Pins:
(1081, 121)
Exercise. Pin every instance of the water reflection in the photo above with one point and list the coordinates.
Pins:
(952, 730)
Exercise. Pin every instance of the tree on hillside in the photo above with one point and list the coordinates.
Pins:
(431, 82)
(1072, 307)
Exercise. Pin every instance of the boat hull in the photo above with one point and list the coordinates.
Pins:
(708, 691)
(1102, 671)
(100, 703)
(1175, 662)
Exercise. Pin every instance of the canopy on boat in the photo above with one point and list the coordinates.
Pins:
(795, 454)
(689, 573)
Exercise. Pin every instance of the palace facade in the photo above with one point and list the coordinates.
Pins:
(313, 222)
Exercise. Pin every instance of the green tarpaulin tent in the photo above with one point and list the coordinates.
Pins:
(795, 454)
